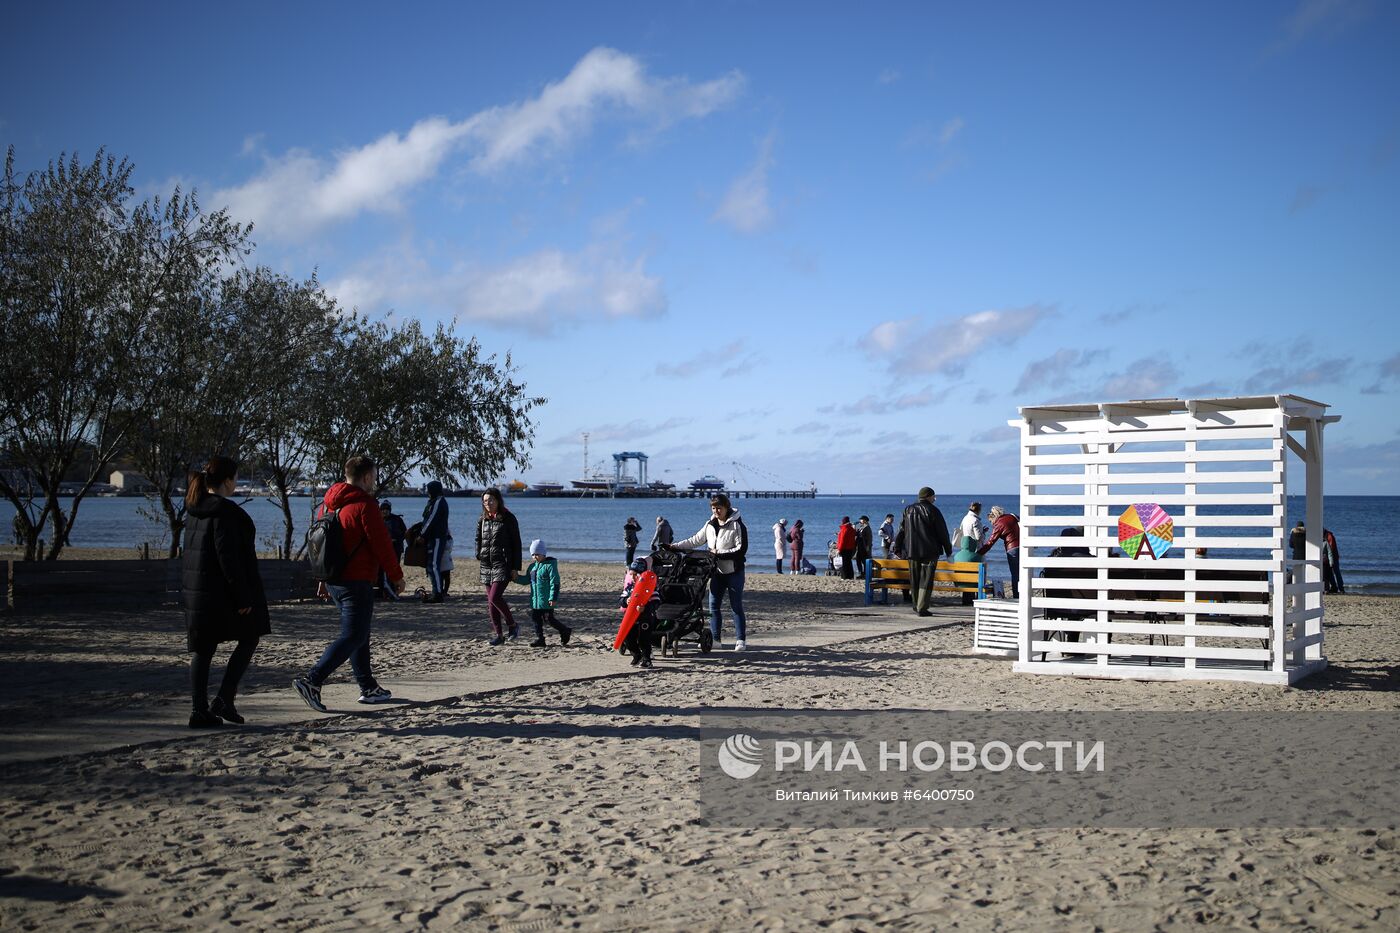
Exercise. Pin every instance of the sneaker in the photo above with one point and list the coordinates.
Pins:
(225, 711)
(740, 645)
(564, 635)
(514, 634)
(203, 719)
(538, 642)
(646, 662)
(310, 693)
(497, 640)
(636, 659)
(375, 694)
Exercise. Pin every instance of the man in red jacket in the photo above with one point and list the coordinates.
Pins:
(369, 551)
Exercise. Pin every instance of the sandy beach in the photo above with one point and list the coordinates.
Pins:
(573, 804)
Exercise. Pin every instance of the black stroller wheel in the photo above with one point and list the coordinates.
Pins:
(707, 641)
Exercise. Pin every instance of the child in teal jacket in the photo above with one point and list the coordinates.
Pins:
(543, 578)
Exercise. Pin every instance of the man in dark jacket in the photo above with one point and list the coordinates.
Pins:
(1331, 564)
(663, 536)
(398, 536)
(435, 534)
(368, 550)
(922, 539)
(865, 544)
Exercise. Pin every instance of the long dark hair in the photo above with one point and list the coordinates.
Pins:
(201, 483)
(494, 493)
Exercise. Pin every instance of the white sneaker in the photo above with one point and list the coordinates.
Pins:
(740, 645)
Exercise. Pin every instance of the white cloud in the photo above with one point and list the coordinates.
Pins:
(947, 346)
(996, 435)
(702, 362)
(622, 432)
(897, 439)
(811, 427)
(888, 76)
(746, 205)
(950, 130)
(745, 365)
(1300, 374)
(602, 79)
(1145, 378)
(879, 405)
(1319, 17)
(537, 289)
(299, 191)
(1057, 370)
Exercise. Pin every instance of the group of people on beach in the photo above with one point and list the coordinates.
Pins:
(225, 601)
(923, 540)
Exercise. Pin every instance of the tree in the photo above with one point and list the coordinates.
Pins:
(84, 279)
(294, 328)
(422, 403)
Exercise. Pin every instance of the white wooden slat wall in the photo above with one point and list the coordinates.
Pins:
(1097, 466)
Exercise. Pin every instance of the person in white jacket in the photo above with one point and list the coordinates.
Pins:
(780, 542)
(726, 537)
(970, 531)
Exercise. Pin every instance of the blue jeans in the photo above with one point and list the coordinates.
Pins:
(356, 601)
(1013, 560)
(733, 584)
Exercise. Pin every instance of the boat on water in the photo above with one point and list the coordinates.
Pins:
(659, 486)
(604, 482)
(515, 488)
(707, 482)
(546, 487)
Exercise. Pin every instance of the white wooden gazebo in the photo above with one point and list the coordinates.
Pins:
(1241, 609)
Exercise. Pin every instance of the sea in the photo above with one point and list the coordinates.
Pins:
(591, 529)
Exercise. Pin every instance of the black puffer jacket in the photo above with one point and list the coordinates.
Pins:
(220, 575)
(498, 547)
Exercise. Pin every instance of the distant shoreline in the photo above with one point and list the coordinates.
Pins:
(755, 565)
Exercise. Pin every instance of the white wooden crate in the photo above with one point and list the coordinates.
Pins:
(996, 627)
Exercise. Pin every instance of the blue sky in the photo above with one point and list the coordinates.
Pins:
(832, 244)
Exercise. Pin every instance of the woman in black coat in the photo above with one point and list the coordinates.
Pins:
(223, 591)
(498, 549)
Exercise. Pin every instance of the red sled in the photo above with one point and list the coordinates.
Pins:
(641, 594)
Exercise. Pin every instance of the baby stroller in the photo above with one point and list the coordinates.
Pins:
(833, 557)
(677, 611)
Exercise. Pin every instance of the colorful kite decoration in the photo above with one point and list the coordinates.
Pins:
(1146, 522)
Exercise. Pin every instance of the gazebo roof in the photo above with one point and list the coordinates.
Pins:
(1294, 406)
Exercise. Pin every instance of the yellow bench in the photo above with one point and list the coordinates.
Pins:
(948, 577)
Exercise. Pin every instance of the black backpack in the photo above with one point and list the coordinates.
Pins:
(325, 547)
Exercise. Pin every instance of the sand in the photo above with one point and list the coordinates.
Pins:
(573, 805)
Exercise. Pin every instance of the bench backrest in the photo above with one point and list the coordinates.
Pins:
(949, 576)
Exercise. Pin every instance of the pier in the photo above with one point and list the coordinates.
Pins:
(643, 493)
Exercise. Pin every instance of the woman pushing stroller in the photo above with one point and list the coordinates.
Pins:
(728, 540)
